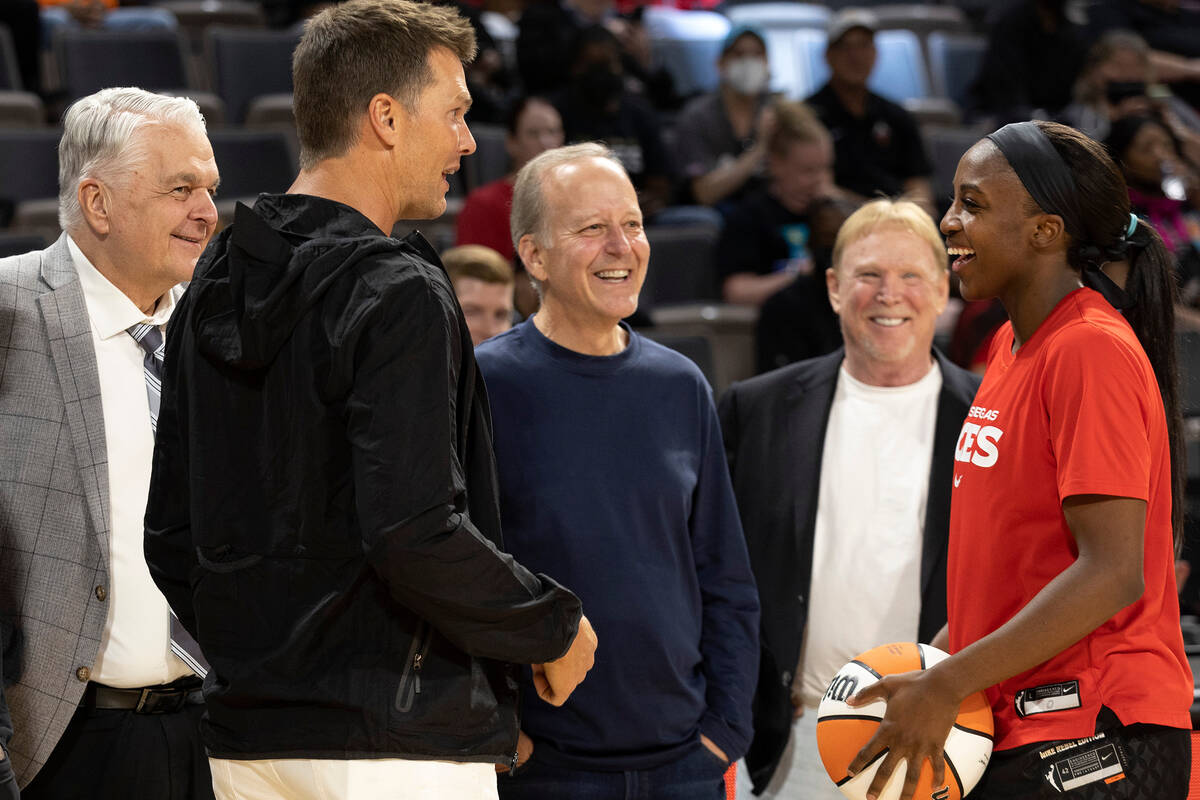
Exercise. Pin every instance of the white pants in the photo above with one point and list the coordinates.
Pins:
(800, 775)
(355, 779)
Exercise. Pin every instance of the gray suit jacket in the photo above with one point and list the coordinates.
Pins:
(54, 512)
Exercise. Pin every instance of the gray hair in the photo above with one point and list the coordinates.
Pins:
(529, 200)
(97, 131)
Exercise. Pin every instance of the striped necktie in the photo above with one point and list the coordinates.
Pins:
(151, 340)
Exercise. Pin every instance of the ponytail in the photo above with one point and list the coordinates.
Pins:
(1152, 290)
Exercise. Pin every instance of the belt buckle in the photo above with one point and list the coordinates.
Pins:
(155, 701)
(143, 698)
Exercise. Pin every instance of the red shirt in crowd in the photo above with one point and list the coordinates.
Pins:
(484, 218)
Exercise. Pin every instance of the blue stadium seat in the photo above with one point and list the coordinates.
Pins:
(90, 60)
(899, 73)
(688, 44)
(252, 162)
(683, 267)
(954, 60)
(945, 146)
(14, 244)
(247, 63)
(29, 163)
(780, 15)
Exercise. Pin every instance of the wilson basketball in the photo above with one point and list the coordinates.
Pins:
(842, 730)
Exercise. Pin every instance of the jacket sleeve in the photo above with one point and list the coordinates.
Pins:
(405, 433)
(729, 637)
(168, 534)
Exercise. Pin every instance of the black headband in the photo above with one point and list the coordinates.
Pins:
(1048, 180)
(1041, 169)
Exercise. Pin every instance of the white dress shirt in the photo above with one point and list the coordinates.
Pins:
(135, 647)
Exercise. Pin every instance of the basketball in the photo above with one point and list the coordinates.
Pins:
(842, 730)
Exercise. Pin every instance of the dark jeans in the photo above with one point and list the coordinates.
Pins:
(119, 755)
(699, 775)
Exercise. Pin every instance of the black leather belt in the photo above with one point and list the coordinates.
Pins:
(165, 699)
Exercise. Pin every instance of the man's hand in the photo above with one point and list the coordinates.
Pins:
(524, 751)
(797, 698)
(555, 680)
(716, 751)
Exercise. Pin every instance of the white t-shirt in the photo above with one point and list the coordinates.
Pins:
(866, 566)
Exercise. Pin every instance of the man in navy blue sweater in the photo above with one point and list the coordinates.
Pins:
(613, 479)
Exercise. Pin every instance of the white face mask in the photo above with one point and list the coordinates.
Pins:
(746, 75)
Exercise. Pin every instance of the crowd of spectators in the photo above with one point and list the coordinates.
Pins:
(760, 165)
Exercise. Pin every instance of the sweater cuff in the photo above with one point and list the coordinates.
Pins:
(723, 736)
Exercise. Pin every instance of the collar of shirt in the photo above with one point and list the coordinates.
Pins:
(112, 313)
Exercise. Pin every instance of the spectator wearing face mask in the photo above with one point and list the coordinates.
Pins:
(721, 136)
(597, 106)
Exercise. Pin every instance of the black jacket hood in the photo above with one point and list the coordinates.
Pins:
(259, 277)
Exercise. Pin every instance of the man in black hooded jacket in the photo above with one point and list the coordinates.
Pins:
(323, 513)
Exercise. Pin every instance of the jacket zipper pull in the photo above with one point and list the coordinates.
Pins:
(417, 659)
(512, 765)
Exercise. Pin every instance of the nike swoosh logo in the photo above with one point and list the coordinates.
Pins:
(957, 480)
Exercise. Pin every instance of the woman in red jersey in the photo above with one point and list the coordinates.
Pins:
(1067, 492)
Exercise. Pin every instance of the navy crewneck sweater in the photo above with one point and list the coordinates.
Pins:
(613, 481)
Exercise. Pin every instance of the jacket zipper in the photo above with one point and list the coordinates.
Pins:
(410, 679)
(512, 767)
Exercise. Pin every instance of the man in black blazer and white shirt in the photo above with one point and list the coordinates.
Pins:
(842, 469)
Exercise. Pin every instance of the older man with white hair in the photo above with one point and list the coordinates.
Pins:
(107, 702)
(613, 479)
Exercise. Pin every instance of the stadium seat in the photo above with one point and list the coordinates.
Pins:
(90, 60)
(933, 110)
(780, 15)
(271, 110)
(14, 244)
(922, 19)
(29, 163)
(37, 217)
(10, 74)
(688, 44)
(729, 330)
(252, 162)
(490, 159)
(945, 146)
(21, 110)
(899, 73)
(248, 63)
(682, 265)
(197, 16)
(838, 5)
(954, 60)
